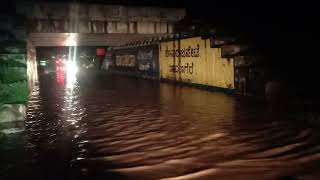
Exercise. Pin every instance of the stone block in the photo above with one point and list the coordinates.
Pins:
(12, 128)
(13, 47)
(12, 74)
(12, 118)
(12, 113)
(13, 60)
(14, 93)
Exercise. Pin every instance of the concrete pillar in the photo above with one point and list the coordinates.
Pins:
(141, 27)
(163, 27)
(145, 27)
(157, 27)
(59, 26)
(111, 27)
(132, 27)
(84, 26)
(151, 28)
(32, 71)
(37, 26)
(66, 25)
(122, 27)
(46, 26)
(73, 25)
(97, 27)
(170, 28)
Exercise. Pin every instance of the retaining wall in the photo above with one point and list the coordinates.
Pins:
(142, 61)
(193, 61)
(18, 73)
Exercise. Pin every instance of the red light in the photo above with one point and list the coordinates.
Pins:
(59, 61)
(60, 78)
(101, 52)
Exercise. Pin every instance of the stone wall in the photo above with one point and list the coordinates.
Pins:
(17, 73)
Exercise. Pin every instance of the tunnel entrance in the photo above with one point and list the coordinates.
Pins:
(70, 27)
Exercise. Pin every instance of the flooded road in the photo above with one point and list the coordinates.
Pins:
(110, 127)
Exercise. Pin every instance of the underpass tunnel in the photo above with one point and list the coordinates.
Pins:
(52, 59)
(82, 46)
(84, 94)
(45, 33)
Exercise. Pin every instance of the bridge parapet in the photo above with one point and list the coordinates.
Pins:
(96, 18)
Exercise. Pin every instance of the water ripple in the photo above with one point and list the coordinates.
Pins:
(108, 126)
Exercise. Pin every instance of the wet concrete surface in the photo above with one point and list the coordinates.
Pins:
(99, 126)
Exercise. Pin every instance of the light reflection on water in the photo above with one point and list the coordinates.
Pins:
(115, 127)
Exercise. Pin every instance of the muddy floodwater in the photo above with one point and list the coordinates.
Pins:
(99, 126)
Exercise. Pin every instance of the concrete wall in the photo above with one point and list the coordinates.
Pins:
(193, 61)
(32, 71)
(90, 39)
(222, 69)
(93, 18)
(142, 61)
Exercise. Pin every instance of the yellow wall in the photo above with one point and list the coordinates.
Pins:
(201, 65)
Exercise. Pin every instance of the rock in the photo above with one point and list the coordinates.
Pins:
(12, 118)
(12, 130)
(7, 116)
(12, 113)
